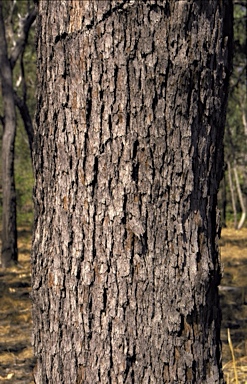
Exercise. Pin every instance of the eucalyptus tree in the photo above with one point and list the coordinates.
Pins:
(128, 159)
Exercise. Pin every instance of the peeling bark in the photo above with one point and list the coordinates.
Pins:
(128, 159)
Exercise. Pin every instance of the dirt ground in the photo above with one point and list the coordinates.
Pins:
(233, 292)
(16, 356)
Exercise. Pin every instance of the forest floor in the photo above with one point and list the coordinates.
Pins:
(233, 295)
(16, 355)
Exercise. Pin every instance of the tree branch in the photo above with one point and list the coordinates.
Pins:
(23, 108)
(239, 2)
(21, 42)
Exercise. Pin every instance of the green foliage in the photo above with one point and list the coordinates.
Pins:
(23, 178)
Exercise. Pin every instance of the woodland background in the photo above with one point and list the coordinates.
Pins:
(15, 318)
(233, 192)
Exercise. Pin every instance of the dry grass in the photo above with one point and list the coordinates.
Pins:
(16, 354)
(234, 305)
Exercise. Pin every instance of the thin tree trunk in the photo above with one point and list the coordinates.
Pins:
(243, 108)
(222, 197)
(244, 120)
(240, 196)
(27, 120)
(232, 194)
(9, 231)
(128, 159)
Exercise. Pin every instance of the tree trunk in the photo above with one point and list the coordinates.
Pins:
(233, 197)
(222, 197)
(9, 96)
(9, 231)
(240, 197)
(128, 160)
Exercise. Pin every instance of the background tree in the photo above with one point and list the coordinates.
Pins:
(236, 126)
(128, 160)
(10, 98)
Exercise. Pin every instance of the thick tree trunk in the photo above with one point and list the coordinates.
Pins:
(9, 231)
(128, 159)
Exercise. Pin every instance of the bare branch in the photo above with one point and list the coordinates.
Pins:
(24, 111)
(239, 2)
(20, 43)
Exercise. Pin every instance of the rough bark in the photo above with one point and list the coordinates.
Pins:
(128, 158)
(9, 231)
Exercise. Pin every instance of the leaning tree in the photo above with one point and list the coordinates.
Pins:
(128, 159)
